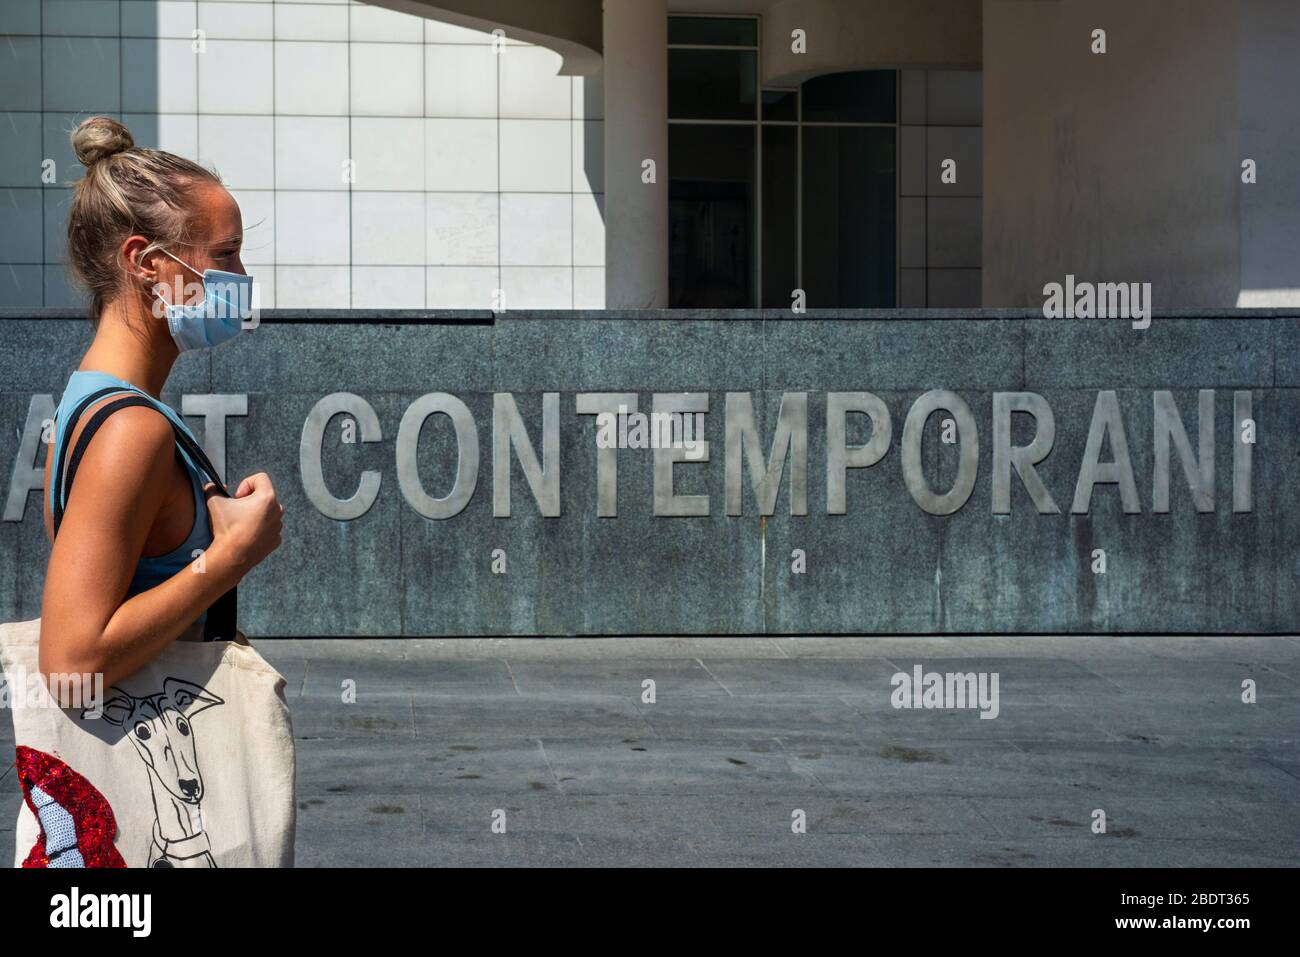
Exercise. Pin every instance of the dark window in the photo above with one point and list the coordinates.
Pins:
(848, 216)
(713, 31)
(780, 215)
(817, 209)
(711, 216)
(867, 96)
(712, 84)
(780, 105)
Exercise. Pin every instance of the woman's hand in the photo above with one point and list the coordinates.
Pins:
(247, 527)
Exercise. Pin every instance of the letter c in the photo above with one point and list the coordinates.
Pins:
(309, 456)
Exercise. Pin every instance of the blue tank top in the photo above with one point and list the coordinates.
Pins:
(154, 569)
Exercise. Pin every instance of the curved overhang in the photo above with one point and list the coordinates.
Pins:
(840, 35)
(844, 35)
(572, 28)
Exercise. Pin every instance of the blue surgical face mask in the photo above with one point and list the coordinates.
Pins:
(227, 303)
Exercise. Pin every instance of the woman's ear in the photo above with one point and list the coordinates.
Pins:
(139, 260)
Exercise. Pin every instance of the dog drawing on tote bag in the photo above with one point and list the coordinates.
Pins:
(159, 725)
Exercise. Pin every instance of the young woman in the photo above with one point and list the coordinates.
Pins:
(149, 234)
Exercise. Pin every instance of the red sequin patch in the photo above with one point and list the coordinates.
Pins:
(96, 826)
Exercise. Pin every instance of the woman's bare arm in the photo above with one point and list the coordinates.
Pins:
(120, 486)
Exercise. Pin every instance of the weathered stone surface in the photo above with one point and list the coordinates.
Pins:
(884, 567)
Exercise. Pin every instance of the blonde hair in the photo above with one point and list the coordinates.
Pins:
(127, 189)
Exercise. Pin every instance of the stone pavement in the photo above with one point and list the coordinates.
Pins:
(744, 731)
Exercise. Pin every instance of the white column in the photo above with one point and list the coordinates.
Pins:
(636, 129)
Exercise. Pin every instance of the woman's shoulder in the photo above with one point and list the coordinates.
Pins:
(131, 441)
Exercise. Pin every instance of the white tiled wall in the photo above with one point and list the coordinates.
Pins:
(939, 224)
(472, 169)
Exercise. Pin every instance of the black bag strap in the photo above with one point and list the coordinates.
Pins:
(219, 624)
(58, 483)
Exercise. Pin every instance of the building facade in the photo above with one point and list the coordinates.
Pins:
(514, 154)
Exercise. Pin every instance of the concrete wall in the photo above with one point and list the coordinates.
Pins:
(1122, 166)
(1269, 72)
(886, 566)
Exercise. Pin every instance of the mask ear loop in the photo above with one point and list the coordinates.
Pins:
(170, 255)
(181, 261)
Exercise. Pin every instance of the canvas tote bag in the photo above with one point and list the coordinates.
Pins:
(189, 762)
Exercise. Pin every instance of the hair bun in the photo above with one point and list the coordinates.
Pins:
(98, 138)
